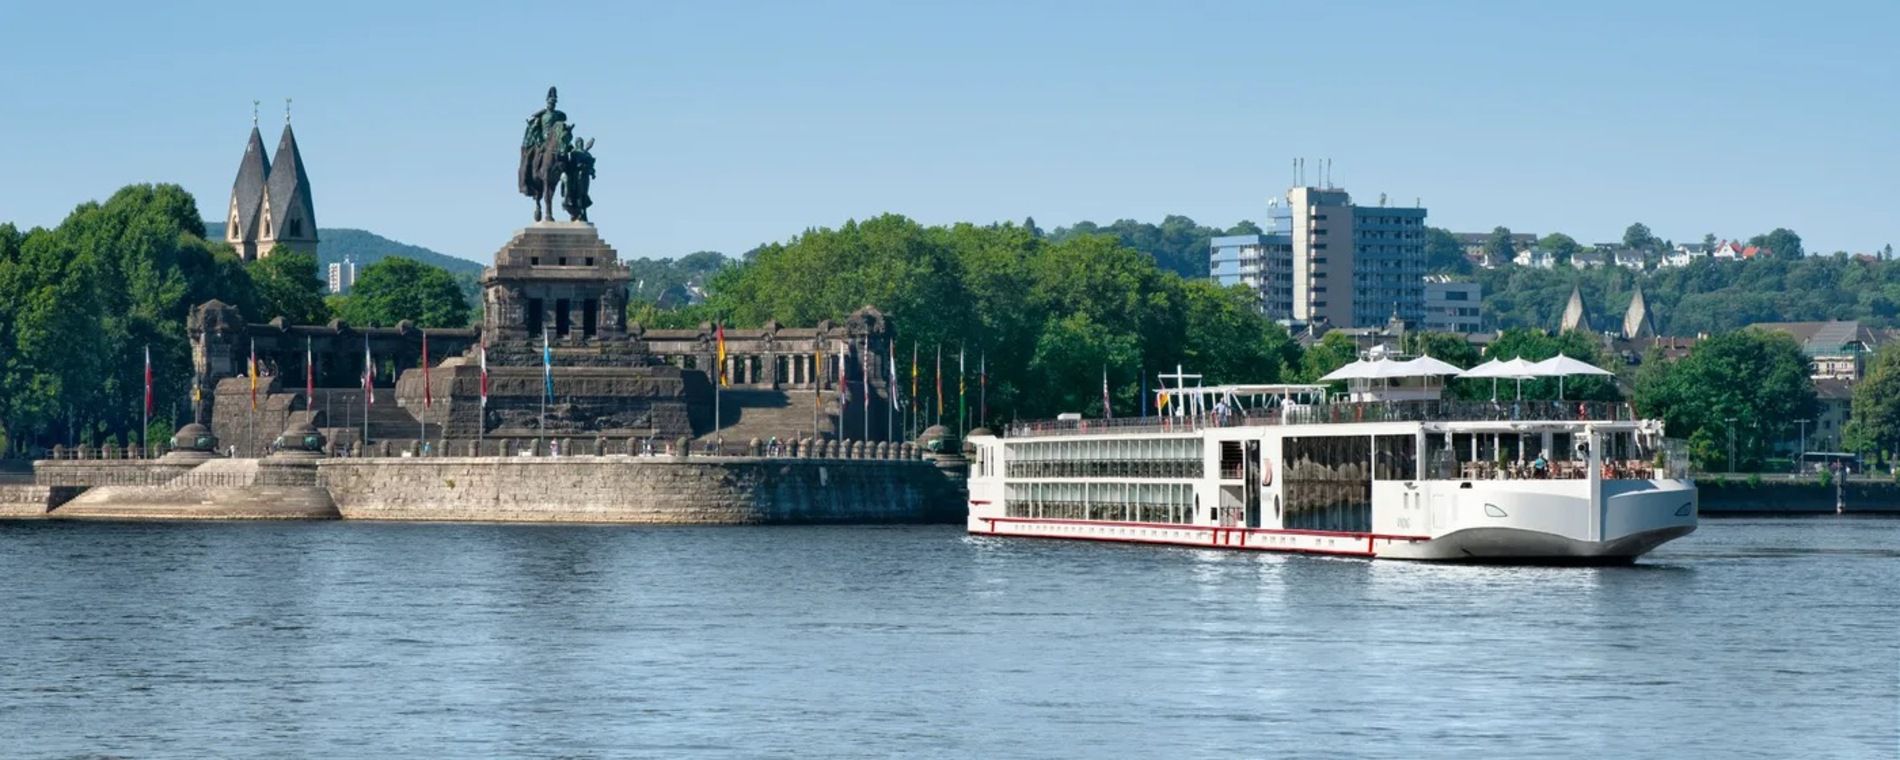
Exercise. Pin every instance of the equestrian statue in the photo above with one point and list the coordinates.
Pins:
(552, 159)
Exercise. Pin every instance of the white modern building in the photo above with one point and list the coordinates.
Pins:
(342, 276)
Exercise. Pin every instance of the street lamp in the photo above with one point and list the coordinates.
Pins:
(1731, 442)
(1802, 454)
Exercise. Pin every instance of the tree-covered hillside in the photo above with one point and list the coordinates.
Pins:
(1178, 244)
(1706, 297)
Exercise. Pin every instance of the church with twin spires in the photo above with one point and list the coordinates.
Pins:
(270, 200)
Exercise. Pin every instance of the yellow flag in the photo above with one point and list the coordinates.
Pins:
(721, 336)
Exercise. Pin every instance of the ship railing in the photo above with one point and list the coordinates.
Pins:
(1631, 469)
(1343, 412)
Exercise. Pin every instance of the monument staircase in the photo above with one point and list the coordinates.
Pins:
(747, 413)
(343, 408)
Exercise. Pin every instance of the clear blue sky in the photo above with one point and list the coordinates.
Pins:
(723, 125)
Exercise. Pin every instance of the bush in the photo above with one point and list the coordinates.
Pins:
(1754, 480)
(1825, 479)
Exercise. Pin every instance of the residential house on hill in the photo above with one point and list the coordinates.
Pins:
(1683, 255)
(1535, 257)
(1474, 244)
(1729, 250)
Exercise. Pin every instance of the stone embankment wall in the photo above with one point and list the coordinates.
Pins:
(25, 500)
(1739, 498)
(651, 490)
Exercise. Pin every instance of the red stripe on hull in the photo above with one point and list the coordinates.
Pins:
(1183, 544)
(1218, 537)
(1216, 528)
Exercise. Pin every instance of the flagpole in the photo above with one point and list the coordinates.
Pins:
(817, 383)
(422, 418)
(369, 389)
(481, 427)
(890, 362)
(719, 336)
(145, 420)
(250, 436)
(864, 379)
(547, 379)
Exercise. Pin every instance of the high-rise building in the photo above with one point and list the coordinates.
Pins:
(271, 207)
(342, 275)
(1322, 259)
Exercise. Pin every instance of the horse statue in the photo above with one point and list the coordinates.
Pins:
(544, 148)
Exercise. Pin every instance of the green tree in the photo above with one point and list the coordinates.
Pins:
(1443, 252)
(287, 286)
(1498, 248)
(1638, 236)
(1560, 246)
(1334, 350)
(396, 289)
(1445, 347)
(1782, 242)
(1874, 424)
(85, 301)
(1228, 342)
(1701, 397)
(1709, 241)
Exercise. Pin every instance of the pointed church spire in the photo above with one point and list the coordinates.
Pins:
(241, 227)
(1575, 317)
(1636, 320)
(292, 216)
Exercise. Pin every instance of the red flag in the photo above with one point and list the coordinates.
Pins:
(148, 381)
(428, 397)
(369, 374)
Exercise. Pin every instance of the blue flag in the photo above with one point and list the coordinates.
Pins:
(547, 365)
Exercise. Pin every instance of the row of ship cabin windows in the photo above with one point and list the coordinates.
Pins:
(1134, 458)
(1108, 502)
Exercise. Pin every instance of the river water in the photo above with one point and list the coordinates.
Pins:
(1750, 638)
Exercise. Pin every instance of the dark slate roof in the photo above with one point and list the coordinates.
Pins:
(290, 187)
(248, 191)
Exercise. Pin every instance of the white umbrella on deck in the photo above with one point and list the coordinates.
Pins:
(1426, 365)
(1561, 366)
(1358, 370)
(1515, 369)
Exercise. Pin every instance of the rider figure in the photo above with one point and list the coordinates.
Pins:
(546, 123)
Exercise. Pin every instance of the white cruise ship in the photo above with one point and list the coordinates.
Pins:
(1389, 470)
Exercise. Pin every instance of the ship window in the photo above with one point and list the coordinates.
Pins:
(1395, 457)
(1328, 483)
